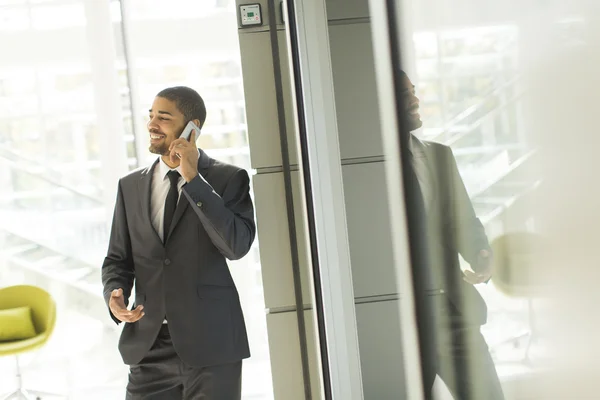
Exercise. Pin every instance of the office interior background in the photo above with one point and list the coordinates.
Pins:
(77, 78)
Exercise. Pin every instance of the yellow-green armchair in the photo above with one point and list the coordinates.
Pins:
(14, 300)
(519, 272)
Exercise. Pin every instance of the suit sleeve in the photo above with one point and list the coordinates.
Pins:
(468, 230)
(228, 219)
(117, 269)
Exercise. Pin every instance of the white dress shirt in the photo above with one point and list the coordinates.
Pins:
(422, 170)
(158, 195)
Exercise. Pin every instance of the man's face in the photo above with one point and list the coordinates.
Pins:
(165, 125)
(410, 101)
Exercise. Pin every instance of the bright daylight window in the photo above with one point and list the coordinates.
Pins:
(470, 100)
(53, 161)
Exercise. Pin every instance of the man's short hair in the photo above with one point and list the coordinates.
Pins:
(188, 102)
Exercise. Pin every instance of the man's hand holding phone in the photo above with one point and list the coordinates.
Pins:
(186, 153)
(117, 307)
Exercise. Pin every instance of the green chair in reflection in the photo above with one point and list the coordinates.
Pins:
(27, 319)
(517, 274)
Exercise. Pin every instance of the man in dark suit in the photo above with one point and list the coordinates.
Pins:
(447, 226)
(175, 223)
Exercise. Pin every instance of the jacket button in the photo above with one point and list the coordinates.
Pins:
(199, 204)
(167, 262)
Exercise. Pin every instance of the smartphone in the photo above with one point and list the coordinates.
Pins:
(187, 131)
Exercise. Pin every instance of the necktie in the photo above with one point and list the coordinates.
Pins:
(170, 202)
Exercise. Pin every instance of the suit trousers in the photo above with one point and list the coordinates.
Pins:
(462, 357)
(162, 375)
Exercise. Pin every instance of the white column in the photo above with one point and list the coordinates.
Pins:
(390, 129)
(328, 199)
(109, 118)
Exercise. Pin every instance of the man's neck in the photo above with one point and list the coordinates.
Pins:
(167, 160)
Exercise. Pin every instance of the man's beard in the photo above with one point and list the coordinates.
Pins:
(409, 124)
(160, 149)
(412, 123)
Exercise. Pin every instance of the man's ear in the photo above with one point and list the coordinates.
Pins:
(198, 124)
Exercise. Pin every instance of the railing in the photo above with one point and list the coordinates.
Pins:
(484, 145)
(476, 112)
(45, 261)
(486, 119)
(508, 172)
(78, 281)
(485, 134)
(54, 214)
(32, 166)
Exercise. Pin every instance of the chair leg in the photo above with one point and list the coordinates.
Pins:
(19, 394)
(22, 394)
(18, 368)
(531, 315)
(25, 395)
(10, 396)
(36, 394)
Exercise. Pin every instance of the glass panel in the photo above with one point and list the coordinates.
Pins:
(497, 168)
(54, 206)
(491, 185)
(478, 119)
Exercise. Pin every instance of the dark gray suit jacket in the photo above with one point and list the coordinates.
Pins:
(186, 279)
(454, 229)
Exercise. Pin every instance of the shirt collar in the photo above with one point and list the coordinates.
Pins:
(164, 169)
(416, 146)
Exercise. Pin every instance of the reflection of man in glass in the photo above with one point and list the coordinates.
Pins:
(447, 227)
(175, 224)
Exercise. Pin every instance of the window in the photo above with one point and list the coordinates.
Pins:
(55, 160)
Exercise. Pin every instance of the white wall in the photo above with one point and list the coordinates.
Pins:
(361, 147)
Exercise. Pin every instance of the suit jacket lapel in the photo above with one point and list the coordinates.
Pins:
(431, 164)
(182, 204)
(442, 167)
(203, 164)
(145, 189)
